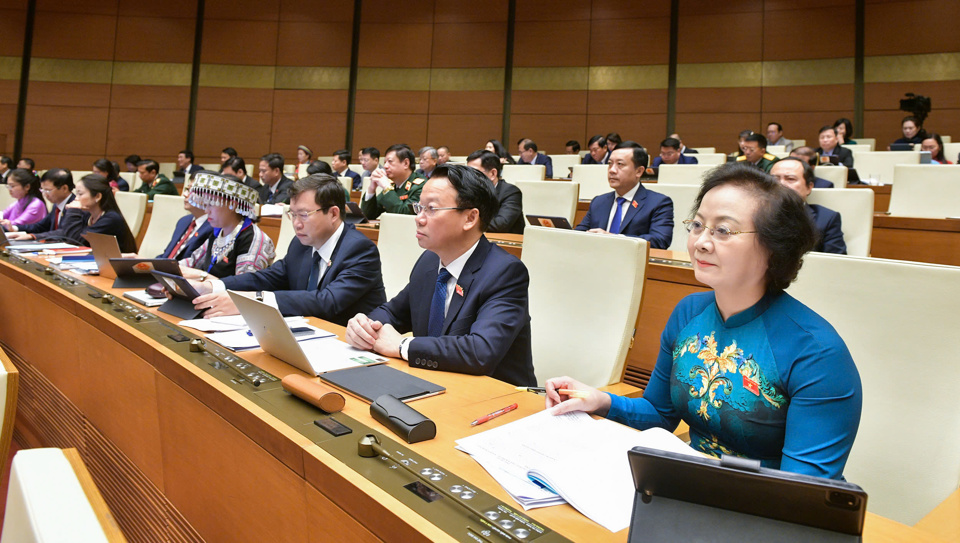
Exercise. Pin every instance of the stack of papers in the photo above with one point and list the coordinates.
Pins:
(243, 339)
(37, 247)
(232, 322)
(573, 457)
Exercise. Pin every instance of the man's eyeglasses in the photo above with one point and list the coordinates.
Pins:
(720, 233)
(429, 210)
(302, 215)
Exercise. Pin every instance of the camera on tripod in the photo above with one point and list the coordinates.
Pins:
(916, 105)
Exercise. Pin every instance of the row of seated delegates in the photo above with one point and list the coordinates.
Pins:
(28, 206)
(830, 147)
(934, 145)
(754, 151)
(429, 158)
(670, 153)
(775, 136)
(56, 185)
(631, 209)
(751, 370)
(276, 185)
(400, 183)
(467, 299)
(530, 155)
(191, 231)
(340, 163)
(94, 210)
(497, 148)
(331, 271)
(795, 174)
(509, 218)
(237, 245)
(809, 155)
(152, 181)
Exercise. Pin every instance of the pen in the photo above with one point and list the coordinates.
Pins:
(296, 331)
(566, 391)
(494, 415)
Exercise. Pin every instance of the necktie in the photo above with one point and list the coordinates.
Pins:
(615, 225)
(314, 280)
(186, 235)
(435, 325)
(56, 217)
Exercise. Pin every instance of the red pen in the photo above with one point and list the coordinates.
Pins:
(494, 415)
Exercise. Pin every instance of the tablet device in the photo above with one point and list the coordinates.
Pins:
(901, 147)
(182, 292)
(135, 272)
(549, 222)
(353, 214)
(681, 498)
(104, 247)
(371, 382)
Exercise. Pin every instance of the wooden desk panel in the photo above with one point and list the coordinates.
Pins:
(917, 239)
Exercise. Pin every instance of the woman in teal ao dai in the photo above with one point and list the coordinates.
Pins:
(751, 370)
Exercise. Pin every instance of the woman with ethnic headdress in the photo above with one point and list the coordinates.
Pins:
(237, 245)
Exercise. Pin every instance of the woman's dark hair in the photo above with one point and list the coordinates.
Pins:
(29, 181)
(108, 168)
(97, 184)
(847, 126)
(474, 190)
(782, 225)
(501, 152)
(940, 157)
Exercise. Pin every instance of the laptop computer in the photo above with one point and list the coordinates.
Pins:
(681, 498)
(901, 147)
(548, 221)
(126, 272)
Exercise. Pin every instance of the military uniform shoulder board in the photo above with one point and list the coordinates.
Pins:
(768, 156)
(418, 181)
(741, 158)
(407, 186)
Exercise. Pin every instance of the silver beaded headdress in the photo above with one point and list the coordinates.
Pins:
(210, 189)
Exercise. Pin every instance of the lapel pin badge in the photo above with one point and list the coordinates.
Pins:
(459, 290)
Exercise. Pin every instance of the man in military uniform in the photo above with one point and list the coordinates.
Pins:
(401, 186)
(755, 152)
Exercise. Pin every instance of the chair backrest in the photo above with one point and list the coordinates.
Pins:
(563, 163)
(926, 191)
(602, 314)
(897, 320)
(776, 149)
(683, 197)
(166, 168)
(799, 143)
(550, 198)
(855, 207)
(133, 205)
(9, 388)
(872, 142)
(592, 179)
(707, 150)
(951, 151)
(858, 147)
(356, 168)
(836, 174)
(347, 183)
(286, 235)
(683, 174)
(52, 497)
(524, 172)
(945, 138)
(710, 159)
(167, 210)
(879, 164)
(133, 180)
(6, 200)
(399, 250)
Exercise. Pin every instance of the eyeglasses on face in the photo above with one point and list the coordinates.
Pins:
(720, 233)
(302, 215)
(430, 210)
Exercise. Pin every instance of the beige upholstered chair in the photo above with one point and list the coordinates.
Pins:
(286, 235)
(592, 179)
(9, 388)
(550, 198)
(897, 319)
(703, 150)
(872, 142)
(710, 159)
(523, 172)
(583, 332)
(166, 168)
(133, 180)
(167, 210)
(399, 250)
(5, 199)
(951, 151)
(797, 142)
(683, 197)
(858, 147)
(879, 164)
(855, 207)
(133, 205)
(777, 150)
(347, 183)
(683, 174)
(563, 163)
(926, 191)
(52, 498)
(835, 174)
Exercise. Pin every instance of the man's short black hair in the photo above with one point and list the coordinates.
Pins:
(779, 128)
(599, 140)
(671, 142)
(329, 191)
(30, 163)
(403, 152)
(528, 145)
(132, 159)
(150, 165)
(488, 161)
(59, 177)
(759, 138)
(188, 154)
(343, 155)
(319, 166)
(640, 156)
(614, 137)
(274, 160)
(372, 152)
(474, 190)
(229, 151)
(826, 127)
(6, 161)
(807, 170)
(236, 164)
(808, 153)
(574, 145)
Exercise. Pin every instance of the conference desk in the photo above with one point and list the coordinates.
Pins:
(184, 449)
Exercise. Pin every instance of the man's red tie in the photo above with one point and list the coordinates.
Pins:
(56, 217)
(186, 236)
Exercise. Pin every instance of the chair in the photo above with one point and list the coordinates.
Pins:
(523, 172)
(550, 198)
(458, 159)
(133, 205)
(166, 168)
(836, 174)
(872, 142)
(951, 151)
(211, 167)
(563, 163)
(879, 165)
(683, 197)
(799, 143)
(945, 138)
(9, 388)
(705, 150)
(592, 179)
(167, 210)
(858, 147)
(583, 332)
(683, 174)
(710, 159)
(356, 168)
(897, 319)
(926, 191)
(133, 180)
(52, 498)
(286, 235)
(399, 250)
(777, 150)
(855, 207)
(6, 200)
(347, 183)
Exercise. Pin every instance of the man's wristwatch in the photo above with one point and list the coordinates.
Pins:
(259, 295)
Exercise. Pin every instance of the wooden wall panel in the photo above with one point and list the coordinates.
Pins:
(248, 132)
(390, 45)
(180, 9)
(549, 102)
(720, 37)
(630, 42)
(806, 33)
(645, 129)
(150, 133)
(74, 35)
(715, 129)
(895, 28)
(392, 102)
(623, 101)
(67, 130)
(310, 101)
(740, 99)
(150, 97)
(155, 39)
(463, 134)
(314, 43)
(540, 43)
(469, 45)
(383, 130)
(13, 19)
(467, 11)
(559, 10)
(551, 132)
(333, 11)
(466, 103)
(322, 132)
(84, 95)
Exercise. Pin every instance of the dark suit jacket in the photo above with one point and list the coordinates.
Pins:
(509, 219)
(588, 159)
(249, 181)
(650, 218)
(542, 159)
(46, 224)
(197, 238)
(684, 159)
(843, 154)
(357, 180)
(487, 329)
(191, 169)
(73, 225)
(352, 283)
(827, 222)
(282, 195)
(819, 183)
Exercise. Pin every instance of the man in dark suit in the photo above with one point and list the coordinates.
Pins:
(598, 153)
(631, 209)
(797, 175)
(341, 168)
(429, 158)
(330, 271)
(57, 187)
(509, 219)
(192, 230)
(670, 154)
(808, 155)
(830, 146)
(185, 163)
(529, 155)
(276, 186)
(237, 167)
(684, 150)
(466, 302)
(6, 166)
